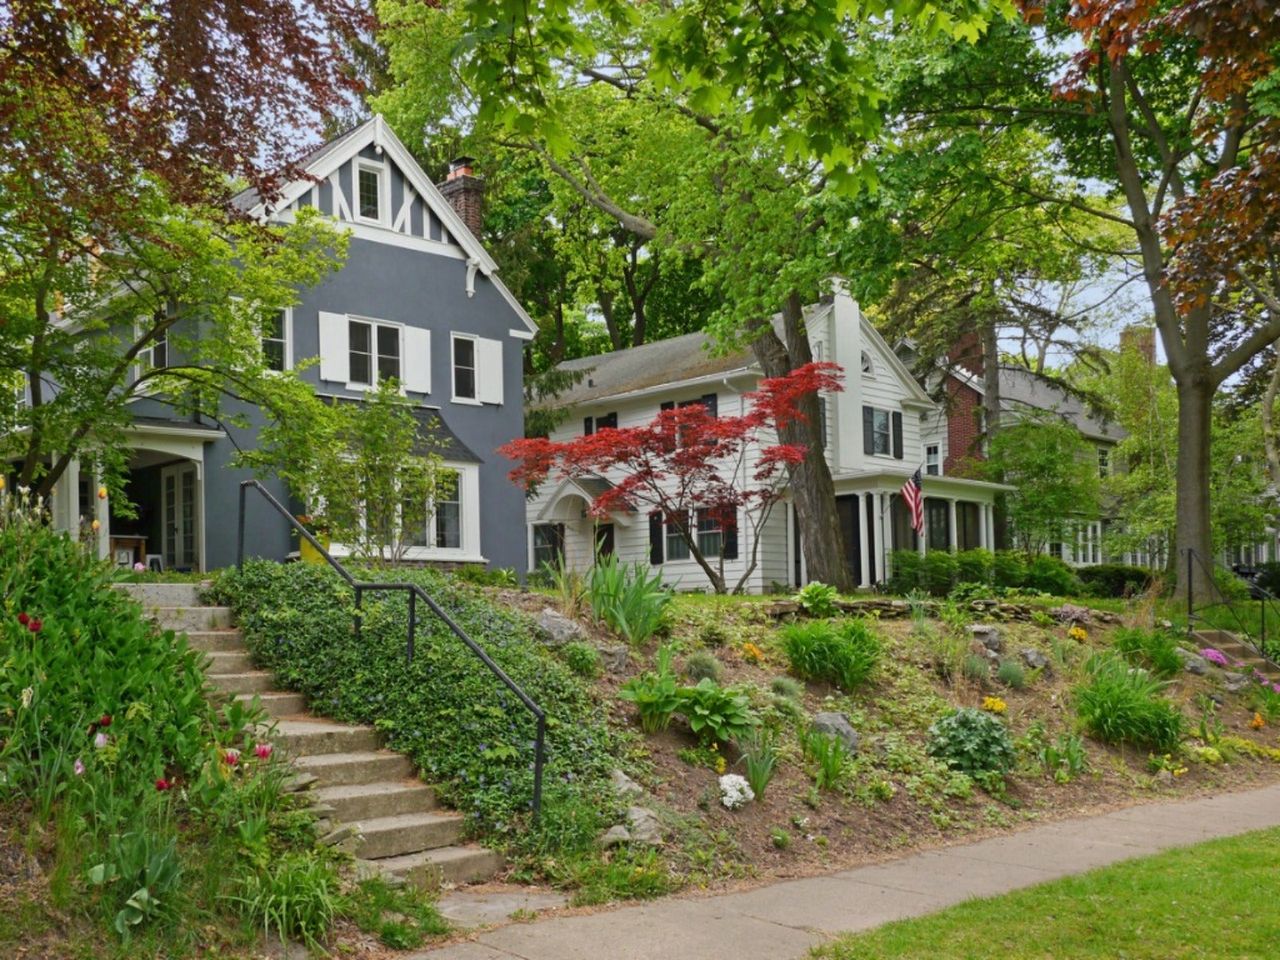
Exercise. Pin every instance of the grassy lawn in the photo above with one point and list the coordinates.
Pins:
(1213, 900)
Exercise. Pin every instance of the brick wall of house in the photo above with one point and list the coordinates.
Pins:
(964, 443)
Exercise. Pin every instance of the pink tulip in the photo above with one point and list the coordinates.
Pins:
(139, 567)
(263, 750)
(78, 767)
(100, 740)
(231, 757)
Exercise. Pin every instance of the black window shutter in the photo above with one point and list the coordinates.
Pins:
(655, 538)
(709, 401)
(667, 405)
(588, 427)
(729, 550)
(868, 430)
(897, 435)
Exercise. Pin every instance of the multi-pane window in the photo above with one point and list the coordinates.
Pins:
(464, 368)
(548, 545)
(374, 352)
(676, 548)
(369, 193)
(275, 353)
(155, 355)
(448, 520)
(932, 460)
(1104, 462)
(881, 432)
(710, 534)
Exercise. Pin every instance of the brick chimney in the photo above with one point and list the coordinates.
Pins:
(1140, 338)
(465, 193)
(966, 353)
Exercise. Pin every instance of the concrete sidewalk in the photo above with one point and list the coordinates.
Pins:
(784, 920)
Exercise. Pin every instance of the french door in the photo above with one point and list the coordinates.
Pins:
(179, 516)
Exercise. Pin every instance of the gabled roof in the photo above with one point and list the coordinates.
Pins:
(1022, 388)
(325, 159)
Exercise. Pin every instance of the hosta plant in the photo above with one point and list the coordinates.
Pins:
(714, 711)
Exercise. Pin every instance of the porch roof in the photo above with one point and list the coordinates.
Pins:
(944, 486)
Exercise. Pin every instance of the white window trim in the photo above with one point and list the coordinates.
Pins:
(287, 331)
(453, 370)
(469, 496)
(384, 193)
(926, 447)
(888, 453)
(139, 366)
(374, 323)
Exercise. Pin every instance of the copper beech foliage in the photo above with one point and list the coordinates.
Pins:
(686, 459)
(95, 95)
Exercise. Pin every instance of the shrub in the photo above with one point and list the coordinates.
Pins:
(972, 742)
(712, 710)
(938, 571)
(1011, 674)
(1269, 577)
(1154, 649)
(701, 665)
(1009, 569)
(628, 598)
(1122, 704)
(905, 565)
(829, 755)
(1114, 580)
(975, 566)
(817, 599)
(843, 654)
(456, 721)
(582, 658)
(1051, 575)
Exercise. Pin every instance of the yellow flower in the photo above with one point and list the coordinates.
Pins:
(720, 765)
(1257, 722)
(96, 526)
(752, 653)
(1, 481)
(994, 705)
(1078, 633)
(102, 493)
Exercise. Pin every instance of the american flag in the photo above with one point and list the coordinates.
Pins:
(913, 495)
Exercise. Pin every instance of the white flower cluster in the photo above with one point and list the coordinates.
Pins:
(735, 792)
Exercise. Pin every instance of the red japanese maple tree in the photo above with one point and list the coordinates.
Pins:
(688, 462)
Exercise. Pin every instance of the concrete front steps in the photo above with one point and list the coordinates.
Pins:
(1246, 658)
(353, 780)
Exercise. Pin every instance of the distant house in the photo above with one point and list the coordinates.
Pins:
(956, 438)
(875, 433)
(418, 299)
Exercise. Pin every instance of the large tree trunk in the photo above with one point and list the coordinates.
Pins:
(1194, 525)
(812, 489)
(991, 414)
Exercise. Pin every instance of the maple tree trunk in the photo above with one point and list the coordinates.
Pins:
(812, 489)
(1194, 524)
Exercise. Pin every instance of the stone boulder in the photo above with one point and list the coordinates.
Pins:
(1034, 659)
(624, 787)
(1193, 662)
(555, 629)
(837, 724)
(988, 634)
(614, 659)
(1072, 613)
(643, 826)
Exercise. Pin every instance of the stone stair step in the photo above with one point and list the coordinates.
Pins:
(164, 594)
(307, 737)
(407, 833)
(276, 703)
(213, 641)
(187, 619)
(430, 868)
(362, 766)
(254, 681)
(229, 661)
(372, 800)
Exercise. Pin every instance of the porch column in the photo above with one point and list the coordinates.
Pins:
(882, 522)
(864, 578)
(982, 526)
(64, 504)
(102, 513)
(991, 526)
(951, 524)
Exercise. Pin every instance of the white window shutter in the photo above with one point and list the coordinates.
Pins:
(335, 355)
(489, 373)
(416, 363)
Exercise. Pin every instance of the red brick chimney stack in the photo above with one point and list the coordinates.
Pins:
(465, 193)
(966, 353)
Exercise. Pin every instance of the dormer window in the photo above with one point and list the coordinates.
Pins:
(867, 369)
(371, 199)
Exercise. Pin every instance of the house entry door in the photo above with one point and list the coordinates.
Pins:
(179, 516)
(847, 511)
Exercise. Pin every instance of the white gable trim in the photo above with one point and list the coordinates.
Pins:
(871, 337)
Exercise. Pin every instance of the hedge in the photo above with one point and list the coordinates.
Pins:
(1115, 579)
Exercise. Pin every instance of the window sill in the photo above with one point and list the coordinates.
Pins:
(366, 222)
(469, 401)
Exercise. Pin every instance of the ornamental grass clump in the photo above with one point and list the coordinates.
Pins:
(1119, 703)
(1156, 650)
(628, 598)
(844, 654)
(972, 742)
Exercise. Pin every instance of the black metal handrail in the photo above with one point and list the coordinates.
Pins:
(415, 592)
(1195, 611)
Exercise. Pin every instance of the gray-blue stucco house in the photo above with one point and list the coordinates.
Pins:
(418, 299)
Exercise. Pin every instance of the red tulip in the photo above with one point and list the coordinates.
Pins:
(104, 720)
(162, 784)
(263, 750)
(24, 618)
(231, 757)
(35, 625)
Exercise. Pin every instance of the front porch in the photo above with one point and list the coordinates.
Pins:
(959, 514)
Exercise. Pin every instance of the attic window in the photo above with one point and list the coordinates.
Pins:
(867, 369)
(370, 187)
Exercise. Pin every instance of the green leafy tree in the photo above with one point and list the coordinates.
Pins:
(1055, 473)
(369, 473)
